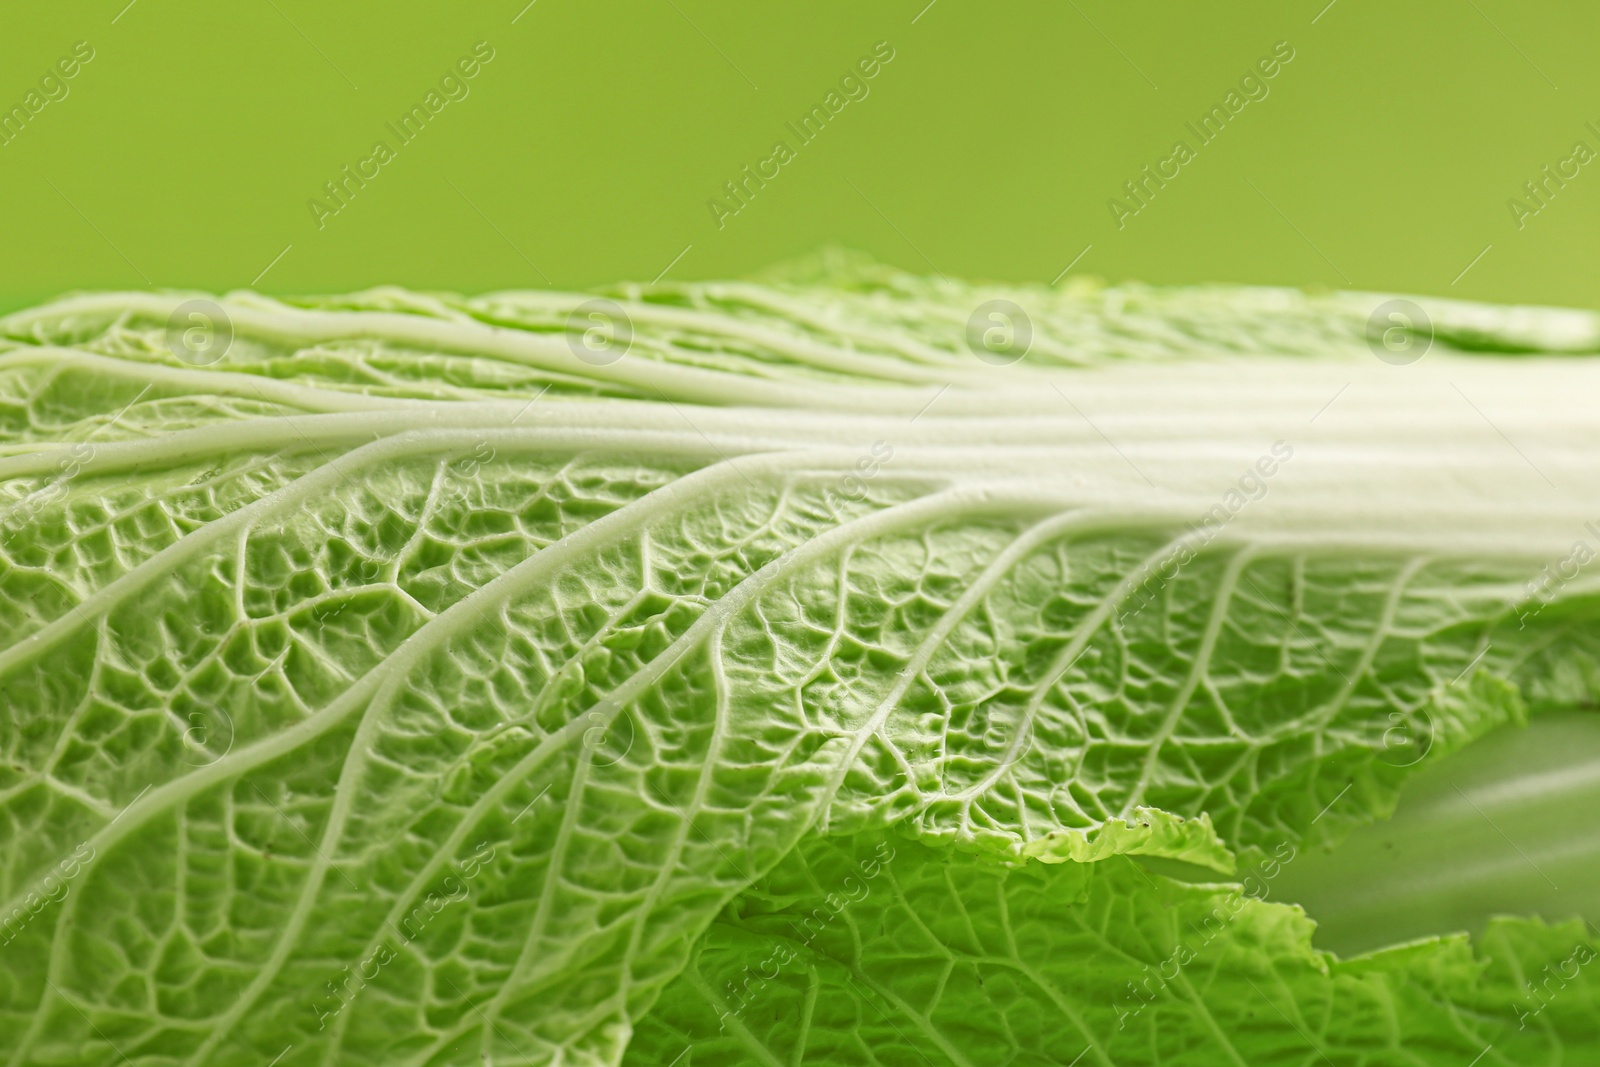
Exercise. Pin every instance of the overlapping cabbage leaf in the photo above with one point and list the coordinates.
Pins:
(395, 679)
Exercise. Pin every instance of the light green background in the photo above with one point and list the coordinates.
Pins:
(1382, 159)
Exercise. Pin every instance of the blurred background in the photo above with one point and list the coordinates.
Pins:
(1390, 152)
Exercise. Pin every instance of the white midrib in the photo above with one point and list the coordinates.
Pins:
(543, 352)
(192, 379)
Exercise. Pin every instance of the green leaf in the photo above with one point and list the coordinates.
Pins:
(398, 686)
(878, 950)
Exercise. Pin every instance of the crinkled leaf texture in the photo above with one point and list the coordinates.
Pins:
(402, 689)
(867, 950)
